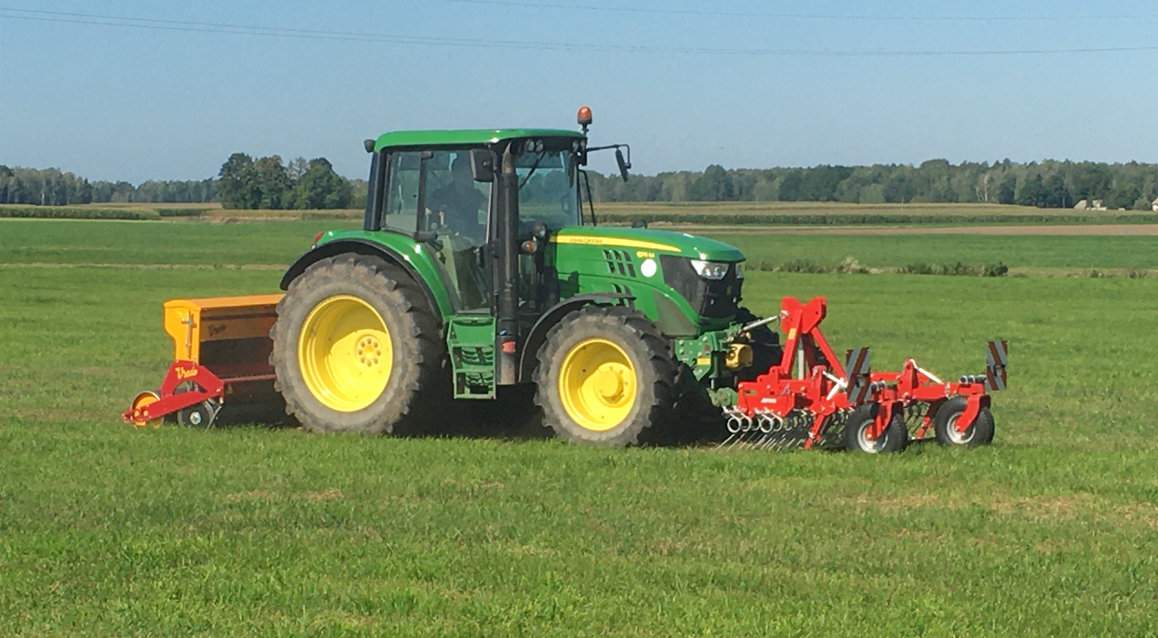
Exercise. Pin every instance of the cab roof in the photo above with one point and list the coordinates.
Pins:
(464, 137)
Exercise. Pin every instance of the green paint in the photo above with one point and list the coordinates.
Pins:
(470, 341)
(421, 257)
(617, 256)
(463, 137)
(691, 246)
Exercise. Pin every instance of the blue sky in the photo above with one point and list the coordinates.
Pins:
(112, 102)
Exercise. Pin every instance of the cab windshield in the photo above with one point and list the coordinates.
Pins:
(548, 188)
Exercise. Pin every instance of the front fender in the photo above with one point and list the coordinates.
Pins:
(538, 334)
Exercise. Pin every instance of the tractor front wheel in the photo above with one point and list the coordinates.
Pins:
(605, 377)
(357, 349)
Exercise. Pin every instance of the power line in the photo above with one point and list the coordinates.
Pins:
(159, 24)
(522, 4)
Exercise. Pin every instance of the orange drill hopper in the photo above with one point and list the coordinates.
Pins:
(221, 355)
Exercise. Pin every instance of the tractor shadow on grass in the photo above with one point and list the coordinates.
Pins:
(513, 416)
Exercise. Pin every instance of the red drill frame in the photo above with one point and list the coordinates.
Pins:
(201, 383)
(822, 386)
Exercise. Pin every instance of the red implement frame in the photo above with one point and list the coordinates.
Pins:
(811, 378)
(201, 383)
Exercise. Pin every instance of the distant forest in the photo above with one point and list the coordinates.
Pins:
(1048, 184)
(269, 182)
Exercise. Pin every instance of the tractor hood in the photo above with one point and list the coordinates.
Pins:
(644, 239)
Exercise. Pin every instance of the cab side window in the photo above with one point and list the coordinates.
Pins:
(402, 197)
(435, 192)
(457, 204)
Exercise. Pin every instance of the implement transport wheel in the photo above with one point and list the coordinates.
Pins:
(143, 399)
(945, 424)
(856, 432)
(605, 376)
(356, 348)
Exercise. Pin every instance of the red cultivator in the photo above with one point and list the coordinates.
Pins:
(810, 399)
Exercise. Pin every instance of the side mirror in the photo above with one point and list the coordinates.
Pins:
(624, 165)
(482, 165)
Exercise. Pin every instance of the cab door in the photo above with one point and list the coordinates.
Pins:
(434, 194)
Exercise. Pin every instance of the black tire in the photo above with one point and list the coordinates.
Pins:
(417, 383)
(945, 425)
(895, 438)
(650, 356)
(765, 342)
(694, 417)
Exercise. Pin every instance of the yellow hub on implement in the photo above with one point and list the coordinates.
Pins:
(140, 402)
(345, 353)
(598, 384)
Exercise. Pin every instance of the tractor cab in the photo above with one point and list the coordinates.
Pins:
(448, 196)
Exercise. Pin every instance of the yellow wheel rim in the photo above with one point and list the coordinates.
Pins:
(598, 385)
(345, 353)
(140, 402)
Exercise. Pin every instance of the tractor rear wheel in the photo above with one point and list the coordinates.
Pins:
(605, 377)
(356, 348)
(894, 439)
(945, 425)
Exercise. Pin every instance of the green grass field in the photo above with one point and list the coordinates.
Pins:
(248, 243)
(109, 531)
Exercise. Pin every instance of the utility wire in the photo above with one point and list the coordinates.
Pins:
(522, 4)
(159, 24)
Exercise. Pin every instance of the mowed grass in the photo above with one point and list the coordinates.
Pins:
(109, 531)
(1062, 253)
(160, 243)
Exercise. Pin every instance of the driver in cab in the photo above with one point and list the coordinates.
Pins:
(459, 202)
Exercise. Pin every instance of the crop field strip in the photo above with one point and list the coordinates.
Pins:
(750, 215)
(109, 531)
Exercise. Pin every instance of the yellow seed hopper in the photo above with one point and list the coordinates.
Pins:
(221, 349)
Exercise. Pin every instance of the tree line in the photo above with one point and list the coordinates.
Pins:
(54, 187)
(242, 182)
(1048, 184)
(268, 182)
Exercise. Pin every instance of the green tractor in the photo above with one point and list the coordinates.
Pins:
(479, 268)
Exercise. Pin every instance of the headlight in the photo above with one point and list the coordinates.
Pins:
(739, 270)
(713, 270)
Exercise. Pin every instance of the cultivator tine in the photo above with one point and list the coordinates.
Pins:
(765, 430)
(737, 425)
